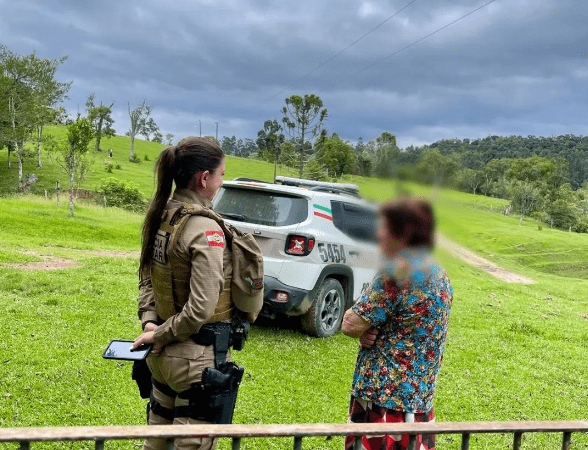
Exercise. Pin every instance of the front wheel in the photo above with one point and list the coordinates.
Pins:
(323, 319)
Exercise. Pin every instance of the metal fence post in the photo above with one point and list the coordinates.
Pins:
(567, 440)
(518, 437)
(465, 441)
(297, 442)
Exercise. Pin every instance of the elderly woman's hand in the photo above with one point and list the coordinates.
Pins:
(368, 338)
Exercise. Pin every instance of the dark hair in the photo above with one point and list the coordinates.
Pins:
(176, 165)
(410, 219)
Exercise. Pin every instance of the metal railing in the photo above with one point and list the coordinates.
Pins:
(236, 432)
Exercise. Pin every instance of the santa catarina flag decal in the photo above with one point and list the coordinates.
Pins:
(323, 212)
(215, 238)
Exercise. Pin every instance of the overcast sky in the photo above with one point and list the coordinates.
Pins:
(511, 67)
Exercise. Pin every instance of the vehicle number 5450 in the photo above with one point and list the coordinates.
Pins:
(332, 252)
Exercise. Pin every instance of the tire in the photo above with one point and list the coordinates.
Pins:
(324, 317)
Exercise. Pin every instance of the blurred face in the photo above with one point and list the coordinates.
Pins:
(389, 243)
(212, 181)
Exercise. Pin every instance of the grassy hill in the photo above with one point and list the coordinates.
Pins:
(140, 173)
(514, 352)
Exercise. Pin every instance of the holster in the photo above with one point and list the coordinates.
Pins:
(213, 399)
(224, 390)
(142, 376)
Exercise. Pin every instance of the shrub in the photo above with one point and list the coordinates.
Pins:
(123, 194)
(108, 168)
(581, 226)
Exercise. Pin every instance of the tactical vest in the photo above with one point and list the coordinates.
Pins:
(171, 288)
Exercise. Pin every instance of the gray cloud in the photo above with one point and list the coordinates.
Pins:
(515, 67)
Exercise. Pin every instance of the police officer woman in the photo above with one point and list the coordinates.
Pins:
(185, 274)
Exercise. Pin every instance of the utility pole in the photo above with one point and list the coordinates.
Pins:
(200, 122)
(216, 131)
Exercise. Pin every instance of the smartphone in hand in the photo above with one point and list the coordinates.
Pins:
(121, 349)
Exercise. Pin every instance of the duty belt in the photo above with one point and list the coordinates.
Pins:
(217, 334)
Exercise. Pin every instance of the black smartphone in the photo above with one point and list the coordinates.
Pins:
(119, 349)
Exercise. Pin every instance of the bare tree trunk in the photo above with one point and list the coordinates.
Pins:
(71, 182)
(303, 131)
(132, 156)
(9, 153)
(99, 136)
(19, 155)
(301, 162)
(71, 198)
(39, 136)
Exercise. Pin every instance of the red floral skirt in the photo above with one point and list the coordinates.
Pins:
(362, 411)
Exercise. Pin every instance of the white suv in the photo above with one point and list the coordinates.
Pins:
(318, 240)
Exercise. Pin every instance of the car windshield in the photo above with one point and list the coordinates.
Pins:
(260, 207)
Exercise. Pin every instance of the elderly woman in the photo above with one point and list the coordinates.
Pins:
(401, 323)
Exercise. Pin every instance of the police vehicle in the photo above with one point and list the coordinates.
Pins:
(318, 240)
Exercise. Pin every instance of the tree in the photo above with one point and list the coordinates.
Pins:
(150, 128)
(493, 183)
(336, 156)
(303, 117)
(169, 139)
(469, 180)
(564, 210)
(386, 153)
(246, 147)
(545, 174)
(141, 124)
(288, 154)
(157, 137)
(101, 119)
(29, 89)
(436, 168)
(269, 140)
(524, 197)
(229, 145)
(72, 155)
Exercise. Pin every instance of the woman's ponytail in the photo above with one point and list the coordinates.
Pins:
(165, 177)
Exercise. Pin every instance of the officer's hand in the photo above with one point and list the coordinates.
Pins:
(147, 338)
(368, 338)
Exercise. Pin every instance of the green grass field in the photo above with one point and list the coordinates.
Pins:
(514, 352)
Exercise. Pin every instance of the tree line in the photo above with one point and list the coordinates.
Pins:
(543, 177)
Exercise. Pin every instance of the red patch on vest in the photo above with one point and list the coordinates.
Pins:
(215, 238)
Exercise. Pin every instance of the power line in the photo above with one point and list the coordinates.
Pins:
(350, 45)
(357, 40)
(422, 39)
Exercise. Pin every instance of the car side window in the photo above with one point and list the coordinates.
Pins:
(356, 221)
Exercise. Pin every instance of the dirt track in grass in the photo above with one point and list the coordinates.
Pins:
(479, 262)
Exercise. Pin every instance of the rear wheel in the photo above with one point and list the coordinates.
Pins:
(323, 319)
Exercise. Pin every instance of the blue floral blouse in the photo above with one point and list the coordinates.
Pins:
(408, 302)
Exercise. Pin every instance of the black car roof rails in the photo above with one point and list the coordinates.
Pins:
(334, 190)
(251, 180)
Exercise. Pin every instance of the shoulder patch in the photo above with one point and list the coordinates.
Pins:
(216, 238)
